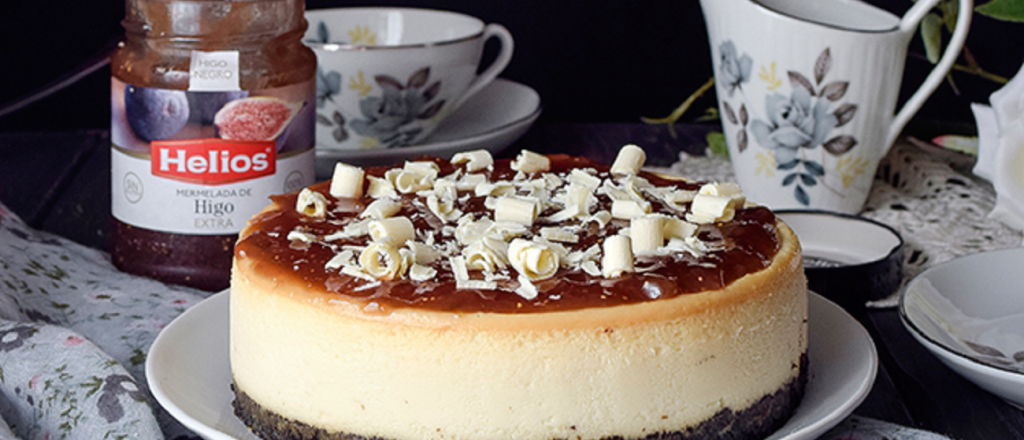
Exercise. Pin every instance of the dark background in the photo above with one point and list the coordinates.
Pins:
(593, 61)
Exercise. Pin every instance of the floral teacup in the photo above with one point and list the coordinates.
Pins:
(807, 92)
(386, 77)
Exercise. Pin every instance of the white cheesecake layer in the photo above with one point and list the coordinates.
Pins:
(628, 371)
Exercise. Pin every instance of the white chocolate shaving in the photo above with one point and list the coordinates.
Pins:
(590, 267)
(499, 188)
(311, 203)
(601, 217)
(469, 182)
(584, 177)
(530, 162)
(559, 233)
(627, 209)
(398, 230)
(443, 209)
(521, 210)
(707, 208)
(526, 288)
(673, 227)
(382, 261)
(422, 253)
(725, 189)
(421, 273)
(305, 237)
(487, 254)
(629, 160)
(381, 208)
(536, 261)
(475, 160)
(446, 189)
(646, 233)
(343, 258)
(380, 188)
(618, 256)
(347, 181)
(357, 229)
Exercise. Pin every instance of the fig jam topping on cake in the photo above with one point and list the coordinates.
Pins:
(534, 234)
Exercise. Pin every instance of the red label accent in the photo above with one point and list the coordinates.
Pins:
(212, 161)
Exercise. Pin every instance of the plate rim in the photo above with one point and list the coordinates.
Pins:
(812, 430)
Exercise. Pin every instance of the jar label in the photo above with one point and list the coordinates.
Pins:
(203, 163)
(213, 71)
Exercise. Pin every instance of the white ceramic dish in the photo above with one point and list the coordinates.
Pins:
(189, 373)
(849, 259)
(492, 119)
(969, 313)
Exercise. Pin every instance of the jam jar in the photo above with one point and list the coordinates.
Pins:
(211, 114)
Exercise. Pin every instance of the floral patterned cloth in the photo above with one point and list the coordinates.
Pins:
(74, 334)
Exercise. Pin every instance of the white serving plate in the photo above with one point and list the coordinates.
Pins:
(189, 373)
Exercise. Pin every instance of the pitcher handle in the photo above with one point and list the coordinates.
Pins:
(938, 73)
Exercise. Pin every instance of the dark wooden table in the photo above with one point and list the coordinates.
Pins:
(60, 182)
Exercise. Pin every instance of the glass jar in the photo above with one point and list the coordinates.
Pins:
(211, 113)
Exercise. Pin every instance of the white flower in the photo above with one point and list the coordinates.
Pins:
(1001, 150)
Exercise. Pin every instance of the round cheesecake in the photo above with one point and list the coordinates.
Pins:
(529, 322)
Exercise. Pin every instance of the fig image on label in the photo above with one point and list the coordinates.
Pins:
(155, 114)
(203, 106)
(255, 118)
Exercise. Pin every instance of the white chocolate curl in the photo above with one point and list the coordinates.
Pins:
(347, 181)
(521, 210)
(707, 208)
(311, 203)
(618, 257)
(646, 234)
(627, 209)
(475, 160)
(488, 254)
(381, 208)
(530, 162)
(397, 230)
(535, 261)
(629, 161)
(382, 261)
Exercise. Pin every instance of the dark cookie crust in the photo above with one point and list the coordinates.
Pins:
(765, 416)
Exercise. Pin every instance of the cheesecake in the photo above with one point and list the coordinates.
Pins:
(541, 297)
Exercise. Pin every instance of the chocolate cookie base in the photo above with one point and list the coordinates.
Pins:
(765, 416)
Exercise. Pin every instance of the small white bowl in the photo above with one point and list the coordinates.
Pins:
(849, 259)
(969, 312)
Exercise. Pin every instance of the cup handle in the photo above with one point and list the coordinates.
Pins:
(504, 56)
(938, 73)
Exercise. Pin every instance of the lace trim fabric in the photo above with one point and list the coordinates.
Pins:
(925, 192)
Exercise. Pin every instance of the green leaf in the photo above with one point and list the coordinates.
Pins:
(931, 35)
(716, 143)
(1005, 10)
(950, 10)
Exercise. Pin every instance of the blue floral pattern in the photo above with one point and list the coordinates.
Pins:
(388, 117)
(794, 125)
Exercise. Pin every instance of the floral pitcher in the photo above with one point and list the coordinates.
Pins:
(807, 91)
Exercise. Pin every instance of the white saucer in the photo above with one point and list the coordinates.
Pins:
(968, 313)
(492, 119)
(189, 373)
